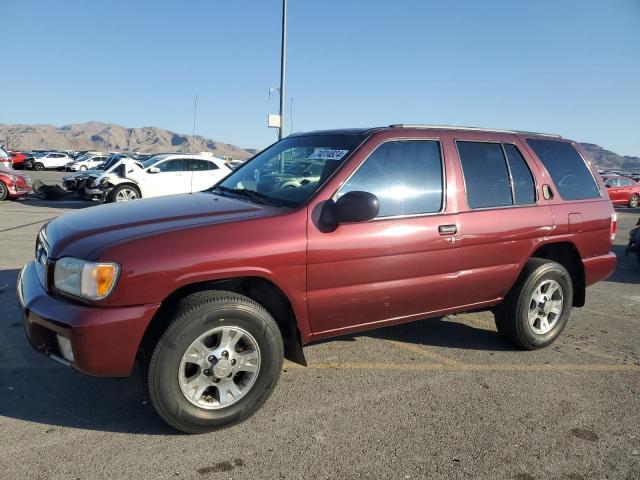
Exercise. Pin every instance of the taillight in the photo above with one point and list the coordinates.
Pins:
(614, 225)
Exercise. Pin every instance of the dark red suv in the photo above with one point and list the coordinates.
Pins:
(210, 290)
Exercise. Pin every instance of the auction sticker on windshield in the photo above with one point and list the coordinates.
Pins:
(327, 154)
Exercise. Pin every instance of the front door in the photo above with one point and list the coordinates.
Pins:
(171, 179)
(398, 266)
(615, 190)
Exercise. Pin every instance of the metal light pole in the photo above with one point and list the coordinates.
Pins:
(283, 54)
(195, 109)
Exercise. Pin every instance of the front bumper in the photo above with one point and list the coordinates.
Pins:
(94, 193)
(105, 341)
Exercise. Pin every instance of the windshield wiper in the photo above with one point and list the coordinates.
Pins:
(252, 195)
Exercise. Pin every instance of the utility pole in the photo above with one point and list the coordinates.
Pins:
(283, 54)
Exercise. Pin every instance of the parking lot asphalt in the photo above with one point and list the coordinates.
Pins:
(438, 398)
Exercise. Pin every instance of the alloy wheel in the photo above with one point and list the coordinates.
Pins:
(219, 367)
(545, 307)
(126, 194)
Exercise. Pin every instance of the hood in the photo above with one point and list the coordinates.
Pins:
(84, 233)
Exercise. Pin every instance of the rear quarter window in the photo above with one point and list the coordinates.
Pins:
(568, 170)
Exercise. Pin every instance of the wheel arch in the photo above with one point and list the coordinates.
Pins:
(259, 289)
(566, 254)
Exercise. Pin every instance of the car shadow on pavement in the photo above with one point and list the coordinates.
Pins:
(72, 203)
(628, 268)
(437, 332)
(34, 388)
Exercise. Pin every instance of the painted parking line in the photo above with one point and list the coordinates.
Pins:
(513, 367)
(425, 352)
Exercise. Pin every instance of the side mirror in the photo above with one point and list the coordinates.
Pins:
(607, 185)
(154, 170)
(351, 207)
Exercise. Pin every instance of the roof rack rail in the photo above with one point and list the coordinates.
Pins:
(472, 129)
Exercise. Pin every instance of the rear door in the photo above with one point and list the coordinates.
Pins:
(55, 160)
(172, 178)
(398, 266)
(504, 217)
(204, 174)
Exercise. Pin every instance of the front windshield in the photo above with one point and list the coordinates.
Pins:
(290, 171)
(151, 161)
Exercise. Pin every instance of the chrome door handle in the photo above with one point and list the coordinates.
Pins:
(447, 229)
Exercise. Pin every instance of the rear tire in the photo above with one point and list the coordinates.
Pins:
(186, 355)
(634, 201)
(525, 317)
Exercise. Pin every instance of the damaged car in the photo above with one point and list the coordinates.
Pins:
(75, 182)
(166, 174)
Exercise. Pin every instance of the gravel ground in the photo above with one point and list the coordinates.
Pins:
(440, 398)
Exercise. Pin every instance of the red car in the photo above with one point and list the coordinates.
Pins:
(210, 290)
(18, 159)
(622, 190)
(12, 184)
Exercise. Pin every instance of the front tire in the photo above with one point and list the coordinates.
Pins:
(537, 308)
(216, 363)
(39, 166)
(4, 191)
(124, 193)
(634, 201)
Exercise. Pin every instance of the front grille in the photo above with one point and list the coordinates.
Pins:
(42, 249)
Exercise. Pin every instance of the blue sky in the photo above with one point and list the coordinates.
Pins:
(569, 67)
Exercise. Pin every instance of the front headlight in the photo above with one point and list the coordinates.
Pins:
(90, 280)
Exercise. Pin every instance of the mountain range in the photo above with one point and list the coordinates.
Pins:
(107, 137)
(608, 160)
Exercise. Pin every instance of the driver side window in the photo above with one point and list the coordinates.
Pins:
(176, 165)
(406, 176)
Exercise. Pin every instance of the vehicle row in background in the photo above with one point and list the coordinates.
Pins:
(122, 178)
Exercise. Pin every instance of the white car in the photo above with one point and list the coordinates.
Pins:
(166, 174)
(88, 161)
(51, 160)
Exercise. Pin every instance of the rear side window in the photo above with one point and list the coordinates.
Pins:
(524, 189)
(567, 169)
(406, 176)
(200, 165)
(624, 182)
(486, 175)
